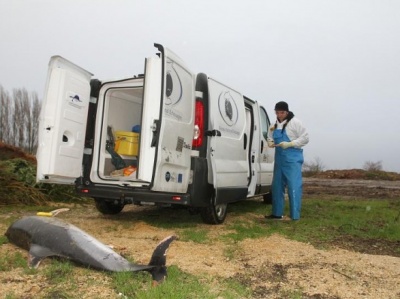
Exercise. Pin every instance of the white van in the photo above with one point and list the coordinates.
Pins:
(168, 137)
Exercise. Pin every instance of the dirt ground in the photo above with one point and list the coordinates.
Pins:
(352, 188)
(268, 265)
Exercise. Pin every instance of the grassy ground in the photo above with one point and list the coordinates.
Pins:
(370, 226)
(365, 225)
(329, 221)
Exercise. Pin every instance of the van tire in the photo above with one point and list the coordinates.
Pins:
(214, 214)
(108, 207)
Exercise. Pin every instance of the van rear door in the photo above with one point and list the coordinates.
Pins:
(62, 122)
(167, 123)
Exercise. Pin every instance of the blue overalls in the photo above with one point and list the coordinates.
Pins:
(287, 172)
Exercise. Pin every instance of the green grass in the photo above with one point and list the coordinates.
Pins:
(368, 219)
(59, 271)
(60, 277)
(9, 261)
(195, 235)
(59, 274)
(3, 240)
(322, 220)
(243, 230)
(178, 285)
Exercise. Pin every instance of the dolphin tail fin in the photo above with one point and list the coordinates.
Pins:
(159, 259)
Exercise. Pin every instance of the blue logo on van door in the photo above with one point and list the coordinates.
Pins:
(75, 98)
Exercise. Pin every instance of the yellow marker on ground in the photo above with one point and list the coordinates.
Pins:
(52, 213)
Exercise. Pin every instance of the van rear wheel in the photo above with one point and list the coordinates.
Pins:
(108, 207)
(214, 213)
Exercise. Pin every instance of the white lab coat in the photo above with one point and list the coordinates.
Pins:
(295, 130)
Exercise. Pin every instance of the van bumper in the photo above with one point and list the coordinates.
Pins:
(129, 195)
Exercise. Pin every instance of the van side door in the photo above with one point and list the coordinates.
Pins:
(227, 153)
(267, 155)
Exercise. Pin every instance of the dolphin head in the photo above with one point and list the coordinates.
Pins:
(19, 237)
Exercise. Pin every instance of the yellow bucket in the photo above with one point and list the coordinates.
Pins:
(126, 143)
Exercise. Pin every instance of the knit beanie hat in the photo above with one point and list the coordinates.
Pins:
(282, 106)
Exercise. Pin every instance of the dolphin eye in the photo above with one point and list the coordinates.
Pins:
(170, 85)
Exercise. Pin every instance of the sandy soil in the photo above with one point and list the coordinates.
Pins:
(270, 265)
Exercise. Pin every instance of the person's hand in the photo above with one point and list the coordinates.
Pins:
(270, 142)
(285, 144)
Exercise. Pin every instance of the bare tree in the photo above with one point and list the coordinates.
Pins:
(314, 166)
(19, 124)
(372, 166)
(5, 102)
(5, 118)
(33, 122)
(19, 117)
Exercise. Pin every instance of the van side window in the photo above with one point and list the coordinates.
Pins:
(264, 122)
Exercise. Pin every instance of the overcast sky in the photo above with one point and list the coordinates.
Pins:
(337, 62)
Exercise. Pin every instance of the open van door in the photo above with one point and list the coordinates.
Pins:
(167, 123)
(62, 122)
(267, 154)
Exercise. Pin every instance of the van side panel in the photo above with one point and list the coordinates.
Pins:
(227, 153)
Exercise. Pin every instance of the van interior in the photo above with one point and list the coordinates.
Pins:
(121, 110)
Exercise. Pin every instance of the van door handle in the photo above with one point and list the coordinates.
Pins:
(262, 146)
(154, 128)
(245, 141)
(213, 133)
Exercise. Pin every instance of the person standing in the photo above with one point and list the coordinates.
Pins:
(288, 136)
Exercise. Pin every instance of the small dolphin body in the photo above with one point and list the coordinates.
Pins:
(44, 237)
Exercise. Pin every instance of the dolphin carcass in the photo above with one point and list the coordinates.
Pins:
(44, 237)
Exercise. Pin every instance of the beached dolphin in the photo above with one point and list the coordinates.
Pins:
(44, 237)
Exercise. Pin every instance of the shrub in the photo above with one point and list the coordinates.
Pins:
(372, 166)
(18, 185)
(313, 167)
